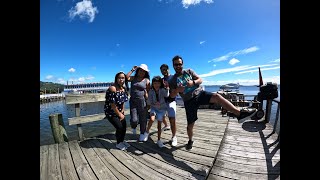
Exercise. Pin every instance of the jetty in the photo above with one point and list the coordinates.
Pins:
(223, 149)
(44, 98)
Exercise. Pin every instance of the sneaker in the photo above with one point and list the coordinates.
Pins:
(246, 113)
(165, 128)
(189, 145)
(160, 144)
(121, 146)
(134, 131)
(126, 144)
(146, 135)
(141, 137)
(174, 141)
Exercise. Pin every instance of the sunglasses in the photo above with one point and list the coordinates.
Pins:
(164, 69)
(180, 64)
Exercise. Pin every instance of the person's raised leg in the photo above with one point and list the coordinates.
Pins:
(241, 114)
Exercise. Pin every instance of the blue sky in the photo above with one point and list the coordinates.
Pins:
(224, 41)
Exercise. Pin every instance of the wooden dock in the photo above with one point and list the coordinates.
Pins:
(222, 149)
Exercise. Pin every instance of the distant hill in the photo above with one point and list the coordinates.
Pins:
(50, 87)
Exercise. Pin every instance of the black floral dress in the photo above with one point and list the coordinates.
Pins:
(118, 97)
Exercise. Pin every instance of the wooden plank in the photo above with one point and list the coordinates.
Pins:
(199, 147)
(251, 149)
(117, 168)
(184, 164)
(84, 98)
(86, 119)
(67, 166)
(267, 168)
(54, 171)
(242, 153)
(164, 167)
(96, 164)
(44, 150)
(164, 163)
(246, 160)
(131, 163)
(174, 152)
(234, 137)
(216, 177)
(82, 166)
(232, 174)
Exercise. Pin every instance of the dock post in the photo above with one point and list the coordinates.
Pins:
(268, 110)
(58, 130)
(77, 108)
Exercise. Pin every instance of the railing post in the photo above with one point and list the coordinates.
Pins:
(77, 108)
(268, 110)
(58, 130)
(277, 118)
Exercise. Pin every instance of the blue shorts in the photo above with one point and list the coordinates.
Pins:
(172, 109)
(192, 105)
(158, 113)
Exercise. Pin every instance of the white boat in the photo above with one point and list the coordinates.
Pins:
(230, 86)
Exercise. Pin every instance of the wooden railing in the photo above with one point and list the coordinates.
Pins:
(78, 120)
(78, 99)
(277, 115)
(241, 102)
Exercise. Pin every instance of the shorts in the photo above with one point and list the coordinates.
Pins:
(158, 113)
(171, 109)
(192, 105)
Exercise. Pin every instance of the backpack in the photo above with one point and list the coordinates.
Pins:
(268, 91)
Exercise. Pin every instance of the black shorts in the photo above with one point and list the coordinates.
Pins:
(192, 105)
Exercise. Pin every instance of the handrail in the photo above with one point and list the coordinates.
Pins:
(277, 114)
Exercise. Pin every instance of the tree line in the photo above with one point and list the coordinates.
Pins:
(50, 88)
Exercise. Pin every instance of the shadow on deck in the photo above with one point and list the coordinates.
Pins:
(222, 149)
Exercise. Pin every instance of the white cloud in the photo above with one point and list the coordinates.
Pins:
(244, 82)
(277, 60)
(49, 77)
(262, 69)
(233, 61)
(89, 77)
(71, 70)
(234, 69)
(61, 81)
(201, 42)
(187, 3)
(80, 79)
(235, 53)
(83, 9)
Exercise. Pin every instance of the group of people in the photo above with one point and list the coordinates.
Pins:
(160, 97)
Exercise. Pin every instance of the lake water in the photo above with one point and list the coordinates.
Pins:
(103, 127)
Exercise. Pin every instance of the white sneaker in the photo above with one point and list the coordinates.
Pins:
(160, 144)
(146, 135)
(141, 137)
(126, 144)
(174, 141)
(134, 131)
(121, 146)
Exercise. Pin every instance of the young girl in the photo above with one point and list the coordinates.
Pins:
(116, 96)
(158, 107)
